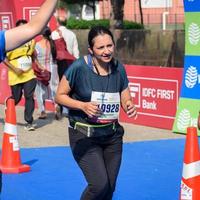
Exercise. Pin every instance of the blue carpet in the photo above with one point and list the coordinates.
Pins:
(150, 171)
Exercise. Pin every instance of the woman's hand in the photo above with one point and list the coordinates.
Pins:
(131, 109)
(91, 109)
(41, 67)
(127, 103)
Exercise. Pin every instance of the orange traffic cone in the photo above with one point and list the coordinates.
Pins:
(10, 159)
(190, 184)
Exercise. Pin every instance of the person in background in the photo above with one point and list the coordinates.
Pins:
(21, 76)
(45, 58)
(71, 44)
(93, 88)
(69, 37)
(15, 37)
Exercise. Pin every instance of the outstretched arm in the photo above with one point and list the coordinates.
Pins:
(19, 35)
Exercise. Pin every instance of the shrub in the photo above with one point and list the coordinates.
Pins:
(84, 24)
(87, 24)
(132, 25)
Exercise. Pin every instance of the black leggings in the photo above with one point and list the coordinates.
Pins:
(28, 88)
(100, 160)
(62, 67)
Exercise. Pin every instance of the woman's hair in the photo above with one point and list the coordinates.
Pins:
(98, 30)
(46, 33)
(21, 21)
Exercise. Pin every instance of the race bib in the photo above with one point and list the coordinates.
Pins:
(24, 63)
(109, 103)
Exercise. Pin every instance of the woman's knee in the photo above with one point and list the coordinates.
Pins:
(99, 189)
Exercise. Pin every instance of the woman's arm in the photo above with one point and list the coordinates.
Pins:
(13, 68)
(127, 103)
(21, 34)
(39, 65)
(63, 98)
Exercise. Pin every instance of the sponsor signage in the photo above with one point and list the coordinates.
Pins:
(189, 102)
(186, 115)
(6, 20)
(192, 36)
(191, 5)
(191, 78)
(29, 12)
(154, 96)
(155, 92)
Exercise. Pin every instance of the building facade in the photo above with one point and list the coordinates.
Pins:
(154, 11)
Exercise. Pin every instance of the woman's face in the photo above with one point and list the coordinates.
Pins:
(103, 48)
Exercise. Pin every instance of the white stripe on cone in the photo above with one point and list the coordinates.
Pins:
(186, 192)
(10, 129)
(191, 170)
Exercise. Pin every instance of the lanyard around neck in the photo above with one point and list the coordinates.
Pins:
(91, 64)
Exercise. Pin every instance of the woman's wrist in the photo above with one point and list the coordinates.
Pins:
(81, 105)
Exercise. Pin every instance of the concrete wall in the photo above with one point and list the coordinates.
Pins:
(156, 48)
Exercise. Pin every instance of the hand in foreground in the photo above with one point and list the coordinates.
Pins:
(131, 109)
(91, 109)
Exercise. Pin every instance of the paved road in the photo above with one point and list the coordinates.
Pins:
(50, 132)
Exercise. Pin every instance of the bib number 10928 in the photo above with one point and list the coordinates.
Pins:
(109, 108)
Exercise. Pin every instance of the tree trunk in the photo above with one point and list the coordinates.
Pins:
(141, 13)
(171, 56)
(118, 12)
(94, 9)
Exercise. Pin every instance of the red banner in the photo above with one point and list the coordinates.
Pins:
(155, 92)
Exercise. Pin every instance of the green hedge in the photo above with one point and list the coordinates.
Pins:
(85, 24)
(132, 25)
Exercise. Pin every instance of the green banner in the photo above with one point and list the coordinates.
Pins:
(192, 33)
(189, 102)
(186, 115)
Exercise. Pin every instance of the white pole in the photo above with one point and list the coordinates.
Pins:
(164, 19)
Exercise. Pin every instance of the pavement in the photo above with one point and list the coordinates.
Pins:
(51, 132)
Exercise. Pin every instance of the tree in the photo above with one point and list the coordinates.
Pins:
(118, 13)
(141, 13)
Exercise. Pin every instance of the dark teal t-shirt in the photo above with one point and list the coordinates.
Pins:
(83, 80)
(2, 46)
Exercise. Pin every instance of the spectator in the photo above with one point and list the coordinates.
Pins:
(70, 39)
(45, 58)
(72, 47)
(21, 77)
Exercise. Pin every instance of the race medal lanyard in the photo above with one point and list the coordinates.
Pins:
(109, 103)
